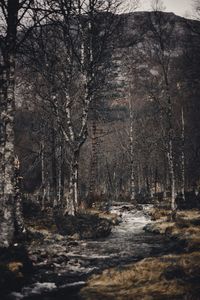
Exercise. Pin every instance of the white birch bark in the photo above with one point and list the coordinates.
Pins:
(2, 127)
(172, 176)
(59, 187)
(93, 164)
(7, 202)
(43, 175)
(170, 155)
(131, 137)
(20, 227)
(182, 154)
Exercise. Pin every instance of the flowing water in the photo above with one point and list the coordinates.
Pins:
(63, 279)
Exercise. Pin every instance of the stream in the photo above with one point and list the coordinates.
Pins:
(62, 266)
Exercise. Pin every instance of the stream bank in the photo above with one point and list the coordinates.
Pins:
(62, 266)
(174, 276)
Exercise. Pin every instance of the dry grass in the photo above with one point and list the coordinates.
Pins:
(157, 214)
(167, 277)
(114, 218)
(186, 228)
(16, 267)
(161, 227)
(188, 217)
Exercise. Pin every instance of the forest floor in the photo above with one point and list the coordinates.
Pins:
(62, 264)
(174, 276)
(45, 246)
(160, 262)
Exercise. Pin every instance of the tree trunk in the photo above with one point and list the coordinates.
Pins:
(54, 170)
(72, 199)
(7, 159)
(59, 181)
(3, 107)
(172, 177)
(44, 192)
(155, 180)
(93, 166)
(7, 155)
(10, 222)
(182, 154)
(132, 179)
(170, 155)
(19, 221)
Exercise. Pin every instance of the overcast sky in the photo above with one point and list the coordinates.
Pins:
(179, 7)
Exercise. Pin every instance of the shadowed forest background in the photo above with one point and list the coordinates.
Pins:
(129, 91)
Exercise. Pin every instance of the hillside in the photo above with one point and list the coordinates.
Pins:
(132, 74)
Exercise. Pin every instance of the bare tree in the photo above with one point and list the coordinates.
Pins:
(13, 15)
(164, 45)
(72, 72)
(10, 14)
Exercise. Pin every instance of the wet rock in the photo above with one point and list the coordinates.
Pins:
(74, 243)
(61, 258)
(75, 237)
(125, 208)
(139, 207)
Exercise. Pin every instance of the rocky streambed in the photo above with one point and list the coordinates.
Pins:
(62, 266)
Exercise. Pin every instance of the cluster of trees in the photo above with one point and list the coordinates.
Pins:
(56, 61)
(54, 50)
(162, 110)
(153, 149)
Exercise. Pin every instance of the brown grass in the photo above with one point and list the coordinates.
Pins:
(188, 217)
(157, 214)
(114, 218)
(16, 268)
(167, 277)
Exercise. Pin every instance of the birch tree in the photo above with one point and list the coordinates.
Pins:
(162, 29)
(9, 12)
(72, 71)
(13, 15)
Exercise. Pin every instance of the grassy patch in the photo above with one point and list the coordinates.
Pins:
(156, 214)
(167, 277)
(114, 218)
(186, 228)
